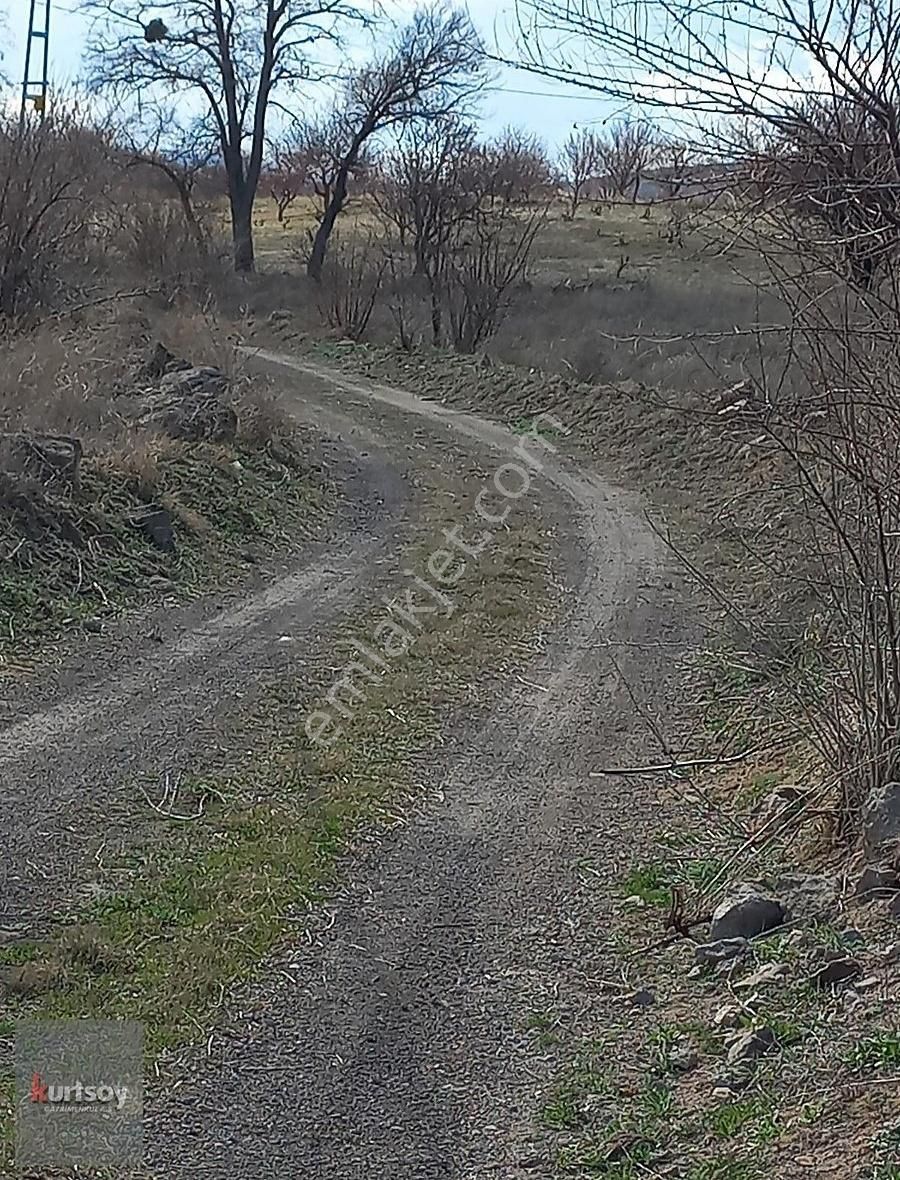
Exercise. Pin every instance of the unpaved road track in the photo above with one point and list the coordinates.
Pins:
(393, 1042)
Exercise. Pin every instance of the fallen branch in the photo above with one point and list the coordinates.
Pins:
(662, 767)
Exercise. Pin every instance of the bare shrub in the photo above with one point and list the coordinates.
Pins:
(481, 273)
(52, 174)
(350, 285)
(158, 245)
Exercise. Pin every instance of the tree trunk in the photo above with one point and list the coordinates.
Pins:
(326, 225)
(320, 242)
(187, 208)
(242, 234)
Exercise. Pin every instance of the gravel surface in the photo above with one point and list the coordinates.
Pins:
(164, 690)
(392, 1041)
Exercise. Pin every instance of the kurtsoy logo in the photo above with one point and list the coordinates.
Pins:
(77, 1094)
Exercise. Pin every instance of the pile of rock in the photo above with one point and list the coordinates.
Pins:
(188, 402)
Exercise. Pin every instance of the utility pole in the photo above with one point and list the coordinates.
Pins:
(37, 58)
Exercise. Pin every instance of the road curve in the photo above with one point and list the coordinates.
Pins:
(393, 1041)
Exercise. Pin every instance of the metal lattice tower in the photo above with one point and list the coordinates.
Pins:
(37, 58)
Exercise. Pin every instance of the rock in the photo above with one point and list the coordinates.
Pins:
(191, 417)
(636, 902)
(157, 526)
(768, 973)
(745, 912)
(162, 362)
(201, 379)
(682, 1057)
(723, 950)
(876, 879)
(852, 937)
(809, 895)
(784, 803)
(893, 906)
(728, 1016)
(881, 817)
(642, 998)
(748, 1046)
(93, 626)
(48, 458)
(835, 967)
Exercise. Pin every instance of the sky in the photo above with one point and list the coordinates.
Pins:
(516, 98)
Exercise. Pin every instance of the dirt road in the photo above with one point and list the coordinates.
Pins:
(393, 1039)
(395, 1043)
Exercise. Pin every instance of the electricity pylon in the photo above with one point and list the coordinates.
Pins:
(37, 56)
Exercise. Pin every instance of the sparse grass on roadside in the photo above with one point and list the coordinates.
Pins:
(89, 557)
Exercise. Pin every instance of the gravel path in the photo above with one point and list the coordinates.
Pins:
(162, 691)
(392, 1043)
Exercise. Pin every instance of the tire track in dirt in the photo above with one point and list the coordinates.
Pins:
(395, 1044)
(161, 690)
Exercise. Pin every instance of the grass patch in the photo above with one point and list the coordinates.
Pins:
(877, 1052)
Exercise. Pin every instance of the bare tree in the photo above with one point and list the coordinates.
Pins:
(822, 81)
(470, 243)
(182, 153)
(436, 64)
(517, 169)
(673, 157)
(626, 152)
(232, 55)
(287, 176)
(424, 191)
(318, 149)
(580, 161)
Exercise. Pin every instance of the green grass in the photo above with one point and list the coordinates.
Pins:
(542, 1025)
(750, 1119)
(881, 1051)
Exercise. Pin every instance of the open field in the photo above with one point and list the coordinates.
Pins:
(614, 295)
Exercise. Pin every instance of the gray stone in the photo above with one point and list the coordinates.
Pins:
(682, 1057)
(852, 937)
(768, 973)
(881, 817)
(834, 967)
(784, 803)
(202, 379)
(808, 895)
(191, 417)
(642, 998)
(723, 950)
(877, 879)
(748, 1046)
(157, 526)
(162, 361)
(48, 458)
(746, 911)
(728, 1016)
